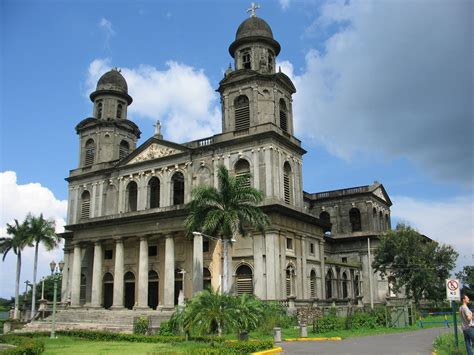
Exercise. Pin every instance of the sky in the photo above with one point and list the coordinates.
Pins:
(384, 93)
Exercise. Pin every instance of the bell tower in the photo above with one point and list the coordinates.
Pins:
(254, 94)
(108, 135)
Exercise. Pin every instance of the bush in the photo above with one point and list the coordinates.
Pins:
(241, 347)
(329, 323)
(274, 315)
(444, 345)
(24, 345)
(166, 329)
(141, 325)
(364, 320)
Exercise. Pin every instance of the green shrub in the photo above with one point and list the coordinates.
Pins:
(363, 320)
(24, 345)
(274, 315)
(240, 347)
(329, 323)
(141, 325)
(166, 329)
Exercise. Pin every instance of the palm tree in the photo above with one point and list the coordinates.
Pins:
(225, 211)
(18, 240)
(41, 231)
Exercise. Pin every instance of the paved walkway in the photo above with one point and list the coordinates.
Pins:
(410, 343)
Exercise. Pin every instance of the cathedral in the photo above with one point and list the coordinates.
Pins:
(125, 241)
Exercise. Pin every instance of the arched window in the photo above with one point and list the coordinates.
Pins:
(381, 221)
(111, 200)
(329, 278)
(154, 192)
(89, 152)
(132, 196)
(312, 284)
(124, 149)
(242, 171)
(283, 116)
(108, 281)
(374, 219)
(204, 176)
(270, 63)
(206, 279)
(82, 293)
(153, 282)
(356, 286)
(244, 280)
(242, 113)
(85, 204)
(326, 217)
(119, 110)
(287, 182)
(178, 188)
(344, 285)
(99, 110)
(354, 218)
(129, 285)
(246, 59)
(290, 287)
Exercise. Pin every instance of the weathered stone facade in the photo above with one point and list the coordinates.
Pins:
(125, 243)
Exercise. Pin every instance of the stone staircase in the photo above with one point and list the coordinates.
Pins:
(96, 319)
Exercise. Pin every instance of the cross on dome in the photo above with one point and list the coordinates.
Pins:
(253, 10)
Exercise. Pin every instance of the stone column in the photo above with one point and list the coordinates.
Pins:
(323, 270)
(304, 276)
(65, 276)
(169, 272)
(76, 276)
(268, 173)
(256, 169)
(96, 294)
(197, 264)
(270, 246)
(143, 274)
(259, 277)
(118, 275)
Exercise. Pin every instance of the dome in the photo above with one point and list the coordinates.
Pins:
(254, 27)
(112, 80)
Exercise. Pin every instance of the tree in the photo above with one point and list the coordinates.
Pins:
(417, 263)
(41, 231)
(467, 278)
(19, 239)
(224, 212)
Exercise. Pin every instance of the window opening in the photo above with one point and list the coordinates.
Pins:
(242, 113)
(86, 204)
(283, 116)
(154, 192)
(242, 171)
(178, 188)
(132, 190)
(124, 149)
(354, 217)
(90, 152)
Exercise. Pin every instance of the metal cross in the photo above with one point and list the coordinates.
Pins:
(253, 9)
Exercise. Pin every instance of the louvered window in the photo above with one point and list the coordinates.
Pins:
(312, 284)
(119, 110)
(85, 205)
(89, 153)
(178, 188)
(99, 110)
(287, 182)
(242, 113)
(244, 280)
(283, 116)
(124, 149)
(154, 192)
(289, 281)
(242, 171)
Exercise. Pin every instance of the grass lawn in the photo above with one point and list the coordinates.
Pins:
(69, 345)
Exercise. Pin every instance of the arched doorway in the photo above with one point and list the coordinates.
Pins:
(244, 280)
(129, 284)
(178, 284)
(153, 289)
(329, 278)
(108, 281)
(206, 279)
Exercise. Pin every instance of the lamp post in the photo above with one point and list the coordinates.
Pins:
(56, 272)
(225, 244)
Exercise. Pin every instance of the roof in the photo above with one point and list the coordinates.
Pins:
(112, 80)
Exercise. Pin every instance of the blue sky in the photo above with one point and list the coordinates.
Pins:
(384, 93)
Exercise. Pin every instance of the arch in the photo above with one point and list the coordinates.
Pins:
(204, 176)
(329, 278)
(287, 183)
(132, 196)
(290, 280)
(312, 284)
(85, 204)
(153, 289)
(89, 156)
(244, 280)
(177, 182)
(345, 293)
(206, 279)
(153, 192)
(108, 290)
(124, 149)
(242, 171)
(110, 200)
(83, 289)
(283, 115)
(119, 110)
(354, 218)
(242, 112)
(99, 110)
(246, 58)
(326, 217)
(129, 292)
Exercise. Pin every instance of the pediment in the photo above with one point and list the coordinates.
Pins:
(379, 193)
(154, 151)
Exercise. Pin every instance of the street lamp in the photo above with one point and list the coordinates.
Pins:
(225, 243)
(55, 275)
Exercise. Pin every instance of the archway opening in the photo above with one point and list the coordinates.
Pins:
(108, 281)
(244, 280)
(153, 289)
(129, 285)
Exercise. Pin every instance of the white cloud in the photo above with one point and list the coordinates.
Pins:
(284, 4)
(16, 201)
(394, 78)
(179, 96)
(106, 26)
(450, 222)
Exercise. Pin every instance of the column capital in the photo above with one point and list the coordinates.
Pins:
(118, 240)
(145, 237)
(98, 243)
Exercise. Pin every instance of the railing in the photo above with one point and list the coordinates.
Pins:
(206, 141)
(343, 192)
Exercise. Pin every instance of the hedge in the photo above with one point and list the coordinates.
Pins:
(24, 345)
(240, 347)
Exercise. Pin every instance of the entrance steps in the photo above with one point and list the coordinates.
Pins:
(120, 321)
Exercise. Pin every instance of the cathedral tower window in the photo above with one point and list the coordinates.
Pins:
(119, 110)
(124, 149)
(283, 116)
(242, 112)
(154, 192)
(287, 182)
(178, 188)
(242, 171)
(244, 280)
(132, 196)
(329, 278)
(99, 110)
(312, 284)
(89, 153)
(324, 216)
(354, 218)
(246, 59)
(270, 63)
(85, 205)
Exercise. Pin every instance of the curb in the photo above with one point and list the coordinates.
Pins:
(276, 350)
(314, 339)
